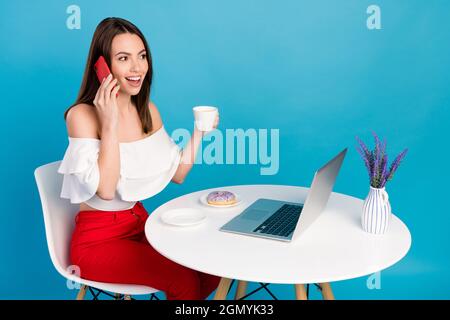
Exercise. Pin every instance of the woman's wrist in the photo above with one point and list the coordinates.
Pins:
(109, 130)
(197, 132)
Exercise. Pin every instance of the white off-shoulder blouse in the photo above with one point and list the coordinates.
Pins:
(146, 167)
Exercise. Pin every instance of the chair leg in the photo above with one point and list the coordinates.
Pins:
(241, 289)
(82, 292)
(300, 292)
(222, 289)
(327, 293)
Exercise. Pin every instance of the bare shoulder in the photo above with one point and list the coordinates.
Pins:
(156, 116)
(82, 121)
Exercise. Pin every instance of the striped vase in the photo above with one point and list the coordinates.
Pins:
(376, 211)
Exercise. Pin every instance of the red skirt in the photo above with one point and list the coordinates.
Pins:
(111, 246)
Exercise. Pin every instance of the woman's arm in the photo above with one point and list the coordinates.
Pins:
(188, 155)
(82, 123)
(108, 163)
(189, 152)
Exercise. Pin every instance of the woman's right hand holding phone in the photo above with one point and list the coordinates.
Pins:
(105, 102)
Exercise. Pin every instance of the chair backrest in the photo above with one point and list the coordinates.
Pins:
(59, 215)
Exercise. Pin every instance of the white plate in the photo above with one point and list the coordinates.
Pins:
(183, 217)
(205, 202)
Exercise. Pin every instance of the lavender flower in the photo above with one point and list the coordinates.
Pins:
(375, 169)
(376, 162)
(384, 172)
(366, 160)
(396, 163)
(368, 156)
(377, 146)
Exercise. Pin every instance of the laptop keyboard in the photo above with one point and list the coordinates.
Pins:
(282, 222)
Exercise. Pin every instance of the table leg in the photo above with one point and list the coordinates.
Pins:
(327, 294)
(300, 292)
(241, 289)
(222, 289)
(82, 292)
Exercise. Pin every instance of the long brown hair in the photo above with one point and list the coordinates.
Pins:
(101, 46)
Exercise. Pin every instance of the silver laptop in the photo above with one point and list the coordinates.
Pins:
(282, 220)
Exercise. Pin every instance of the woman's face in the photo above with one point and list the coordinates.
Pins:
(129, 63)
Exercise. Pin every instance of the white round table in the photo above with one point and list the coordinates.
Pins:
(334, 247)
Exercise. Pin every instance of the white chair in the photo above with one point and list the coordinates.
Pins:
(59, 220)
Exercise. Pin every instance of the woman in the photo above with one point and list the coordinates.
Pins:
(119, 153)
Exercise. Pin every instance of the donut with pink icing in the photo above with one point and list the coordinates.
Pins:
(221, 198)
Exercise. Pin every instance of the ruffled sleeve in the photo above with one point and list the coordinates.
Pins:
(147, 166)
(80, 169)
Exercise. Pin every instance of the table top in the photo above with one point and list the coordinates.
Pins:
(333, 248)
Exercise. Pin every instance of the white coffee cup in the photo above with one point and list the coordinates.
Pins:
(204, 117)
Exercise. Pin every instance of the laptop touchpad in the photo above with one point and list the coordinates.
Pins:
(254, 214)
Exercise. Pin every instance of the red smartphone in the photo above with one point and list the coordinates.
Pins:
(102, 70)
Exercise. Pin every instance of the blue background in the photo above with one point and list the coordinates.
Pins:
(310, 68)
